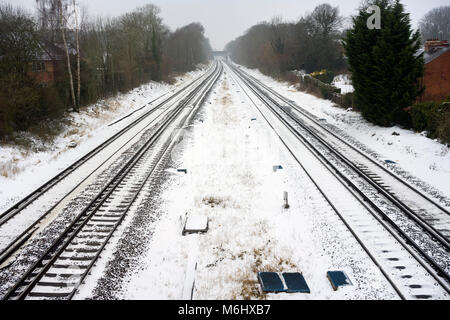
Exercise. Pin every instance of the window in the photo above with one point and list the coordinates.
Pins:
(39, 66)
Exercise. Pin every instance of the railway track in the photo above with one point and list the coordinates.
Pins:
(21, 235)
(59, 272)
(427, 212)
(379, 214)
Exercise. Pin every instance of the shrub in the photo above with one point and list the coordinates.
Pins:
(324, 76)
(443, 129)
(426, 116)
(290, 77)
(318, 88)
(348, 100)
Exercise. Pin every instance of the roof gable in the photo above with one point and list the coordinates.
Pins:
(435, 53)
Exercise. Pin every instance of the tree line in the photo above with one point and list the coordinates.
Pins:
(312, 43)
(102, 56)
(435, 24)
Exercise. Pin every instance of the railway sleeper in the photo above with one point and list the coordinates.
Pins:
(86, 250)
(69, 266)
(77, 258)
(116, 211)
(423, 296)
(61, 275)
(57, 284)
(49, 294)
(90, 243)
(91, 231)
(112, 216)
(103, 220)
(100, 225)
(90, 236)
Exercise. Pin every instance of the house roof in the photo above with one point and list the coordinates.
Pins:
(433, 53)
(50, 52)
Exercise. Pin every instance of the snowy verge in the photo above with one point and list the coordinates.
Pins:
(344, 83)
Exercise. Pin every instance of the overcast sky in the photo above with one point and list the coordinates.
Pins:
(224, 20)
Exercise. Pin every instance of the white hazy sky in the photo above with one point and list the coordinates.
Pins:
(224, 20)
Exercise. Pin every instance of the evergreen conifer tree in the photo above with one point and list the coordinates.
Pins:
(385, 63)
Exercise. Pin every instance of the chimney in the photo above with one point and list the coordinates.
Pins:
(431, 44)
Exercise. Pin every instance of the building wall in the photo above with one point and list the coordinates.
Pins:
(47, 76)
(437, 78)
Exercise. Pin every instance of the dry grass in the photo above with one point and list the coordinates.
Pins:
(37, 138)
(46, 131)
(213, 201)
(225, 85)
(250, 290)
(263, 261)
(71, 132)
(247, 178)
(443, 130)
(9, 170)
(226, 100)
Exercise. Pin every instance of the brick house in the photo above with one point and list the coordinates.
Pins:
(46, 68)
(436, 78)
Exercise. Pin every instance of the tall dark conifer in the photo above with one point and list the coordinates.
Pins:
(384, 63)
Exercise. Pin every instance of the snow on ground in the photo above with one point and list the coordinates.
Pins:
(230, 154)
(24, 170)
(423, 157)
(344, 83)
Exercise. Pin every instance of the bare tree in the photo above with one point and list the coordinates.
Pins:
(77, 37)
(62, 27)
(310, 44)
(112, 55)
(278, 34)
(48, 18)
(436, 24)
(54, 15)
(189, 47)
(326, 20)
